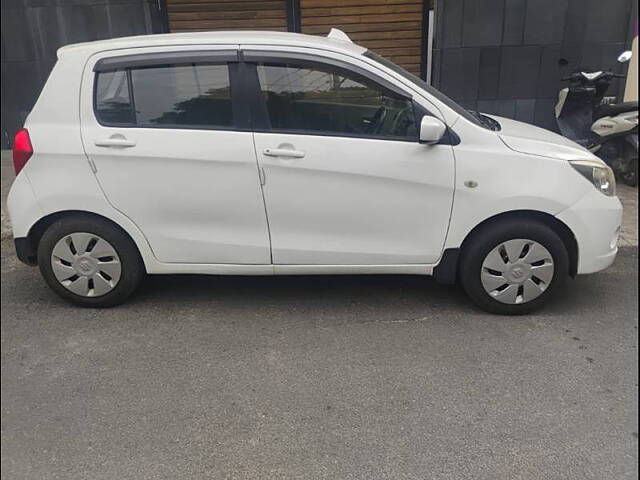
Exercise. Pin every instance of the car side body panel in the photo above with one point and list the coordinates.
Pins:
(487, 177)
(194, 192)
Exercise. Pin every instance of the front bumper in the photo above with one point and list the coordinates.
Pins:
(595, 222)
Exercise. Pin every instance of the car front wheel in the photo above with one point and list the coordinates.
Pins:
(513, 267)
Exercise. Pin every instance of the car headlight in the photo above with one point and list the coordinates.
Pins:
(597, 173)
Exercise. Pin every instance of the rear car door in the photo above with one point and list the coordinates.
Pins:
(346, 181)
(168, 136)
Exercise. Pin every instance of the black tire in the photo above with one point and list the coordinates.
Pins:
(490, 236)
(631, 177)
(132, 267)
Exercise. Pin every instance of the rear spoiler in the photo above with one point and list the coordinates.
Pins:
(338, 35)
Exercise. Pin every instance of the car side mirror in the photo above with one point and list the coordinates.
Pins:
(431, 130)
(625, 56)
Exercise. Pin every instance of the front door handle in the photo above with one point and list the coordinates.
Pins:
(115, 142)
(283, 152)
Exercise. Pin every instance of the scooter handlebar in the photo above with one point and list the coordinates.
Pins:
(578, 76)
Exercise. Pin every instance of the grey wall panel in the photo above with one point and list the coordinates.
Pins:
(545, 22)
(32, 31)
(451, 14)
(514, 17)
(502, 108)
(489, 75)
(607, 21)
(544, 113)
(460, 67)
(519, 72)
(436, 65)
(526, 110)
(18, 39)
(539, 42)
(482, 23)
(575, 23)
(46, 34)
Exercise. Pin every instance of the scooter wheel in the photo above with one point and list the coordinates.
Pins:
(631, 177)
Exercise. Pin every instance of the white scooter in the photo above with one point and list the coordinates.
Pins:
(608, 130)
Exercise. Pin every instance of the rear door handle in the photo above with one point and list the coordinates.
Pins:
(283, 152)
(115, 142)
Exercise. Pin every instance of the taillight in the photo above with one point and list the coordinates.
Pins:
(22, 149)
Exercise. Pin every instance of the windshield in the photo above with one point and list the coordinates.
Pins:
(474, 117)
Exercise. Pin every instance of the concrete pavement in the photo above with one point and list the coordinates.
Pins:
(318, 378)
(312, 377)
(7, 175)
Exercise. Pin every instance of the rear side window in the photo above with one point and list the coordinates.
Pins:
(113, 99)
(178, 96)
(322, 99)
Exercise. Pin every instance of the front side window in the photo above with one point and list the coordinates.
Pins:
(331, 101)
(182, 96)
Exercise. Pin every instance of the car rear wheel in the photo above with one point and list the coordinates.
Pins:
(513, 267)
(89, 261)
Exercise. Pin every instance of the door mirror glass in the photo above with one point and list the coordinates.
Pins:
(625, 56)
(431, 130)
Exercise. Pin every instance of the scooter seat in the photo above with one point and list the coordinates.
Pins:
(615, 109)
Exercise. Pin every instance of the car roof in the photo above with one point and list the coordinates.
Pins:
(336, 41)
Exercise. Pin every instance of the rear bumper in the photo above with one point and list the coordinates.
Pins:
(595, 221)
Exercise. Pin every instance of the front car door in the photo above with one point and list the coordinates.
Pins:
(345, 180)
(168, 135)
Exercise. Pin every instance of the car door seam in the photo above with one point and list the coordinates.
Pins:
(262, 178)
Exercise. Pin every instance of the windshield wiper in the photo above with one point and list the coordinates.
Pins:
(486, 122)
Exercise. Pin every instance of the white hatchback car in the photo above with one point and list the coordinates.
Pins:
(262, 153)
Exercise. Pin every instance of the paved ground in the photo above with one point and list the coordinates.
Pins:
(318, 378)
(337, 377)
(7, 175)
(629, 231)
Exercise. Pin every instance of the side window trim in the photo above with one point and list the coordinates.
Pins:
(158, 59)
(258, 56)
(132, 98)
(241, 109)
(251, 85)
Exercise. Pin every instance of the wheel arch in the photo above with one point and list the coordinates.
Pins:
(447, 269)
(30, 247)
(558, 226)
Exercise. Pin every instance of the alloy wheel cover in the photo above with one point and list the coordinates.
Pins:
(86, 264)
(517, 271)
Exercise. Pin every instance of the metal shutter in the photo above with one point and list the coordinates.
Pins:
(392, 28)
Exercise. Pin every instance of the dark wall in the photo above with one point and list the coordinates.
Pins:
(32, 31)
(507, 56)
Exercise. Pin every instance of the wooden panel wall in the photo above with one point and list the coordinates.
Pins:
(193, 15)
(392, 28)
